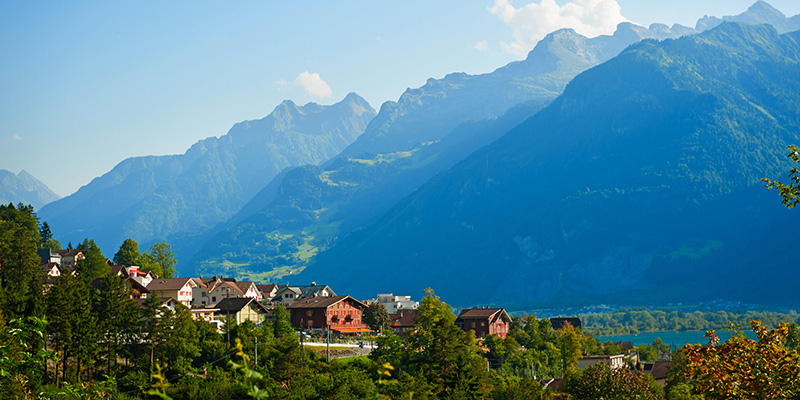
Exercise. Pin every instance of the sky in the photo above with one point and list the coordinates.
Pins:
(87, 84)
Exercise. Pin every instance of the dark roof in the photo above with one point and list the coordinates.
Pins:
(402, 318)
(559, 322)
(658, 369)
(67, 252)
(479, 313)
(266, 288)
(625, 345)
(232, 305)
(323, 302)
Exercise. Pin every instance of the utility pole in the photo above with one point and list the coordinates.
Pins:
(256, 355)
(328, 345)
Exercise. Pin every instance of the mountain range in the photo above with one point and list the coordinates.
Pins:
(173, 197)
(426, 131)
(496, 188)
(24, 188)
(640, 183)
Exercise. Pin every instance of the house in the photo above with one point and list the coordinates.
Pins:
(64, 257)
(613, 361)
(212, 290)
(342, 314)
(287, 295)
(268, 291)
(484, 321)
(393, 303)
(241, 309)
(559, 322)
(69, 257)
(249, 289)
(50, 269)
(402, 322)
(178, 288)
(658, 370)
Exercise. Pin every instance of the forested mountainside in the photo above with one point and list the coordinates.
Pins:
(640, 183)
(425, 132)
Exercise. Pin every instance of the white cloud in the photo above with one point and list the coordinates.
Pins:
(482, 46)
(533, 21)
(313, 84)
(17, 137)
(281, 82)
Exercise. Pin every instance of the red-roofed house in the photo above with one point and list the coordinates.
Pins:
(484, 321)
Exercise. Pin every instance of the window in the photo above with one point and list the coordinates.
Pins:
(483, 323)
(473, 324)
(309, 313)
(214, 298)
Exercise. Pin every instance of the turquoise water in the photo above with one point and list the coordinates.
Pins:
(672, 338)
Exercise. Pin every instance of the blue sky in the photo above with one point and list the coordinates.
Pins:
(85, 85)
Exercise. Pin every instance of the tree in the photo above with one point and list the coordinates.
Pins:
(790, 192)
(22, 357)
(161, 260)
(742, 368)
(129, 254)
(376, 317)
(118, 315)
(600, 381)
(93, 265)
(20, 277)
(71, 325)
(570, 344)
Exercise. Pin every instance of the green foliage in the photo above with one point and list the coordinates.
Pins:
(93, 265)
(600, 381)
(161, 260)
(20, 279)
(129, 254)
(742, 368)
(376, 317)
(635, 320)
(789, 192)
(22, 357)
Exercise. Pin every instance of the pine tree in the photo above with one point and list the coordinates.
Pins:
(118, 316)
(93, 265)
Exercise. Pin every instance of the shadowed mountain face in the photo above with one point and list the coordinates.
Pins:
(24, 188)
(426, 131)
(639, 184)
(160, 197)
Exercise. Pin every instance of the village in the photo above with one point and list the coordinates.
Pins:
(317, 312)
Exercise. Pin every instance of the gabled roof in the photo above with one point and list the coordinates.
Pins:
(169, 284)
(245, 286)
(232, 305)
(323, 302)
(402, 318)
(67, 252)
(268, 288)
(482, 313)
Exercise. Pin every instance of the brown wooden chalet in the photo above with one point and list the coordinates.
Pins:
(341, 313)
(484, 321)
(402, 322)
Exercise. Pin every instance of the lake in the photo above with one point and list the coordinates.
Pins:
(671, 338)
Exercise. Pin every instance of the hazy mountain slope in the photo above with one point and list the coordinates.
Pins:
(639, 184)
(433, 110)
(156, 197)
(427, 131)
(760, 12)
(24, 188)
